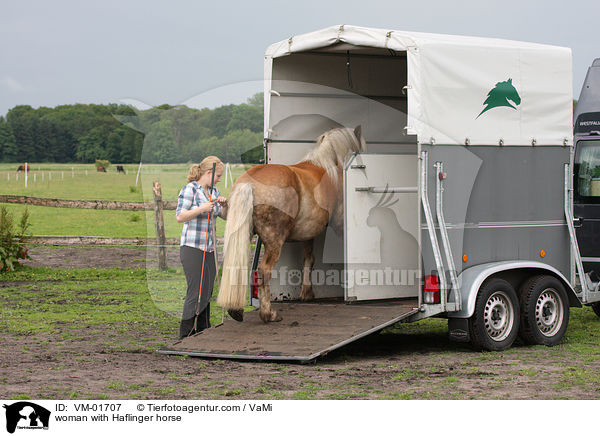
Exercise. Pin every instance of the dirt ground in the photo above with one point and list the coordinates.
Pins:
(397, 365)
(81, 256)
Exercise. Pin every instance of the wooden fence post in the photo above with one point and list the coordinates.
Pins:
(160, 226)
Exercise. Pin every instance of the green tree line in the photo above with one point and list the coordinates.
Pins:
(119, 133)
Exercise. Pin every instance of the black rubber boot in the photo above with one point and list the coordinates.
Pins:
(186, 328)
(203, 319)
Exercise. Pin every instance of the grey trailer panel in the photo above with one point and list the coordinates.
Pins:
(308, 330)
(514, 206)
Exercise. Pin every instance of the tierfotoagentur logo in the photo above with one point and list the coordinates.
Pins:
(350, 277)
(25, 415)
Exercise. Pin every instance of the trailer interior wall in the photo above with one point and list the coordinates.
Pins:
(311, 92)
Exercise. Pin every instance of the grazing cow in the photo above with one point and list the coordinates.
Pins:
(120, 169)
(101, 169)
(22, 168)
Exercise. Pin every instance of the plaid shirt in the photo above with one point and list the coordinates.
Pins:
(194, 231)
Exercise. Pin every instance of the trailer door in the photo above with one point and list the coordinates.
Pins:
(586, 205)
(381, 220)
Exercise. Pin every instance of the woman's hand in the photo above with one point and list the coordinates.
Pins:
(187, 215)
(205, 207)
(224, 207)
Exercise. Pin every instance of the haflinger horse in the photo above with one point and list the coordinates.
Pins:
(283, 203)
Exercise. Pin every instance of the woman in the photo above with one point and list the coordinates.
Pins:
(193, 208)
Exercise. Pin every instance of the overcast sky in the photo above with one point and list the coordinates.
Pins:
(154, 52)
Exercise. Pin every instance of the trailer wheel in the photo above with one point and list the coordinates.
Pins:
(596, 308)
(495, 323)
(544, 311)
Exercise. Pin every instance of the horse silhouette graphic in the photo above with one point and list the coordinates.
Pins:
(28, 415)
(501, 95)
(398, 248)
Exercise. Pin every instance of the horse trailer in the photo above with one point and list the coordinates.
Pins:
(462, 206)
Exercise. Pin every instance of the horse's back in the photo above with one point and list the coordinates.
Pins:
(311, 176)
(276, 175)
(274, 186)
(302, 191)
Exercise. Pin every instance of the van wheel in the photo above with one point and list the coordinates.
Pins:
(544, 311)
(495, 323)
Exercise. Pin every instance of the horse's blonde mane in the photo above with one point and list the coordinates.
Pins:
(332, 148)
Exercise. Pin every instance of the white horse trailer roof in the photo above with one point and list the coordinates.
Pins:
(462, 90)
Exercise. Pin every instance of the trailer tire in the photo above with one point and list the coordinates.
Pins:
(596, 308)
(544, 311)
(494, 325)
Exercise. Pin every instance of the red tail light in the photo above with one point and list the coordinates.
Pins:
(431, 291)
(255, 283)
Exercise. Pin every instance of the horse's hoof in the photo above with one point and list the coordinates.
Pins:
(307, 294)
(270, 317)
(238, 315)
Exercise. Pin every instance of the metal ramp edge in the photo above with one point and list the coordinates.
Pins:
(307, 331)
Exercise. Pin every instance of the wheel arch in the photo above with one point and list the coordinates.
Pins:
(515, 272)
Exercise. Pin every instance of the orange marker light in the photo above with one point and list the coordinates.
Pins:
(542, 253)
(465, 258)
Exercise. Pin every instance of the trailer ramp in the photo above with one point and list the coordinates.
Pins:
(307, 331)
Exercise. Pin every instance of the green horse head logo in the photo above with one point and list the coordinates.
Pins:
(502, 94)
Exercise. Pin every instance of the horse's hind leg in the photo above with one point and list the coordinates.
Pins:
(270, 258)
(309, 260)
(273, 226)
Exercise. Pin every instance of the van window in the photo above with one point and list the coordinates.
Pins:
(587, 169)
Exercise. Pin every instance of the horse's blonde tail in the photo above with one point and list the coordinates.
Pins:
(234, 281)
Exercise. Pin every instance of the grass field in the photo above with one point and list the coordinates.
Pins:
(92, 334)
(87, 297)
(68, 181)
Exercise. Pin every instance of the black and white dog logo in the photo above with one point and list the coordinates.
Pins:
(26, 415)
